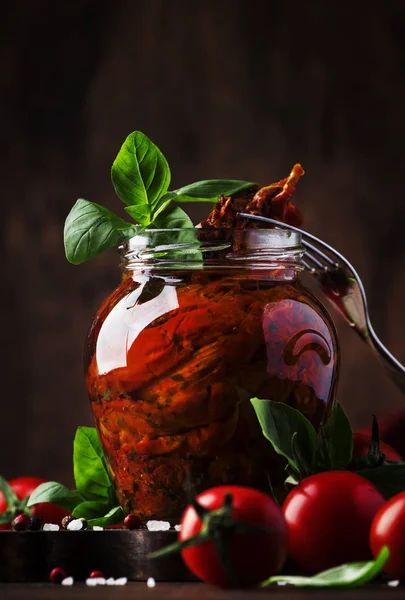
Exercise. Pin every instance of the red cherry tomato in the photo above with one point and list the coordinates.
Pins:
(388, 529)
(23, 487)
(49, 513)
(361, 446)
(254, 556)
(329, 517)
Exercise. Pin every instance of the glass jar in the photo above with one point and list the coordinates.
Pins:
(202, 321)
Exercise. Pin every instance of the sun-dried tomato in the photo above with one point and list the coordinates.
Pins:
(272, 201)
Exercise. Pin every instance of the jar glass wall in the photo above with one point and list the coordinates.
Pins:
(202, 321)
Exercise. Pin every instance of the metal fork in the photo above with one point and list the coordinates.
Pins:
(344, 289)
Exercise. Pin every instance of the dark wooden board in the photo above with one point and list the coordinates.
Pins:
(30, 556)
(182, 591)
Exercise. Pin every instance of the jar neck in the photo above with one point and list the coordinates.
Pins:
(270, 251)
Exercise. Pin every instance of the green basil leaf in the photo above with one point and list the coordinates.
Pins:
(10, 496)
(174, 218)
(349, 575)
(299, 458)
(163, 204)
(187, 252)
(208, 190)
(151, 289)
(55, 493)
(140, 213)
(338, 438)
(91, 229)
(322, 454)
(115, 516)
(89, 466)
(279, 423)
(91, 509)
(140, 173)
(166, 215)
(388, 478)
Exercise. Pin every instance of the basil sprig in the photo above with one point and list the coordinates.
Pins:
(94, 497)
(348, 576)
(141, 178)
(293, 436)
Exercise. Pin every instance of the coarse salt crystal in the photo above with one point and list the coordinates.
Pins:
(91, 581)
(121, 581)
(98, 528)
(110, 581)
(393, 583)
(158, 525)
(99, 580)
(75, 525)
(282, 583)
(177, 527)
(50, 527)
(67, 581)
(151, 582)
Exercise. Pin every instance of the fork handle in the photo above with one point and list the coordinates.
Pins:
(394, 369)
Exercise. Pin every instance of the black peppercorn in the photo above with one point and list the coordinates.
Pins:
(66, 520)
(36, 524)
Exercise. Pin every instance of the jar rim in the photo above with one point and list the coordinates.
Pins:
(211, 246)
(274, 234)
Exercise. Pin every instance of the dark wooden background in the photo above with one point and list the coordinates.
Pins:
(226, 89)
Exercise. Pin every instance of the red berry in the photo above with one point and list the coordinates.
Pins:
(21, 523)
(96, 575)
(57, 575)
(132, 521)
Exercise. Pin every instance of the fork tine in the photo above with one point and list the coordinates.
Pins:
(316, 262)
(308, 267)
(325, 257)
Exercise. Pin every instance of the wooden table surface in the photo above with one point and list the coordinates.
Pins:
(181, 591)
